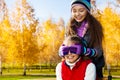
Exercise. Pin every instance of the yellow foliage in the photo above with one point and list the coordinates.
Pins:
(6, 23)
(51, 36)
(111, 26)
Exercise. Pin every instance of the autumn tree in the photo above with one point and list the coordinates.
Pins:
(4, 30)
(5, 40)
(24, 26)
(111, 25)
(50, 37)
(110, 20)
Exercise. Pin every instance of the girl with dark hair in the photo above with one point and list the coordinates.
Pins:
(89, 28)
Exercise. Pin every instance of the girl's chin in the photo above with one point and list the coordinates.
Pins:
(71, 61)
(79, 20)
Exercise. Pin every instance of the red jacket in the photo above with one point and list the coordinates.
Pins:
(78, 71)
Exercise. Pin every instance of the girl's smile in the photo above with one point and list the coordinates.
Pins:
(71, 58)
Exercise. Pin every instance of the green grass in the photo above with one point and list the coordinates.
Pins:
(28, 72)
(24, 77)
(35, 77)
(33, 74)
(115, 79)
(38, 74)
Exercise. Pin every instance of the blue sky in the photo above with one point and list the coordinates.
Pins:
(51, 8)
(45, 9)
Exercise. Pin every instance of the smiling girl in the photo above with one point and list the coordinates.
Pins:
(74, 67)
(86, 26)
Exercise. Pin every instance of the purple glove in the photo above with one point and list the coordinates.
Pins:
(90, 52)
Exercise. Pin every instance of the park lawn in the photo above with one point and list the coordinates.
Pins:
(36, 74)
(35, 77)
(11, 77)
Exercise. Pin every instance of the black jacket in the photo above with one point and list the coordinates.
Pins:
(99, 60)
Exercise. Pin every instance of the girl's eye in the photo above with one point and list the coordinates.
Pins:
(81, 10)
(74, 11)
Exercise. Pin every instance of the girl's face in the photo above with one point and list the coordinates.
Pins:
(79, 13)
(71, 57)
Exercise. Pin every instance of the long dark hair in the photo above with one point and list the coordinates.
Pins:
(95, 30)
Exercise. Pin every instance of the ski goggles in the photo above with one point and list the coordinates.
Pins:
(74, 49)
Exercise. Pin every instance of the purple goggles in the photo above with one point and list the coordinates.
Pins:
(74, 49)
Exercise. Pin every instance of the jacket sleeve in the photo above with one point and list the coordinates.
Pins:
(90, 73)
(98, 58)
(58, 71)
(96, 51)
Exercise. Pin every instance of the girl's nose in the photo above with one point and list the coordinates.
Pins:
(69, 52)
(77, 14)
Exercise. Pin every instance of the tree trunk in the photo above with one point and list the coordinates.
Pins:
(24, 74)
(0, 65)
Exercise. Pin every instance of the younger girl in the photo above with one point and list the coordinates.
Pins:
(74, 67)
